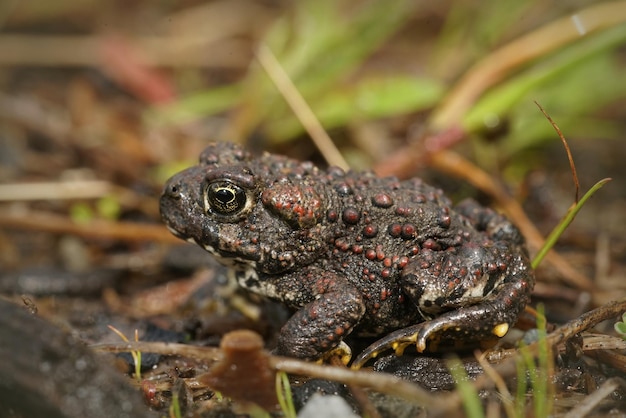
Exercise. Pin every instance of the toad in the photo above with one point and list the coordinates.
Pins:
(350, 252)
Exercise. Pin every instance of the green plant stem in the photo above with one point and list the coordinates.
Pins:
(284, 395)
(544, 389)
(520, 395)
(569, 217)
(471, 401)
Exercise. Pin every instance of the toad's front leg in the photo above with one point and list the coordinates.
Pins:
(319, 325)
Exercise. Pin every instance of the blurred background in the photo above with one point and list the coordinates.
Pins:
(102, 101)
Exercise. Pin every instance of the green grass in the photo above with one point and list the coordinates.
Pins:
(472, 403)
(326, 47)
(538, 371)
(567, 219)
(284, 395)
(174, 409)
(534, 389)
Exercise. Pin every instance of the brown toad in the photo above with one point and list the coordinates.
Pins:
(352, 252)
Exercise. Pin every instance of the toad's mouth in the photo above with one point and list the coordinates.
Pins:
(178, 234)
(246, 257)
(227, 258)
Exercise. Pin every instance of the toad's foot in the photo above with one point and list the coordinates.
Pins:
(342, 351)
(398, 341)
(424, 335)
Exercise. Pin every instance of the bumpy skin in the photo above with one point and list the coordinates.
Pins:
(351, 251)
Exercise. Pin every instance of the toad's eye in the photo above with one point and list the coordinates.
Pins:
(225, 198)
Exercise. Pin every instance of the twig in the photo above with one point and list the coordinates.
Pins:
(587, 320)
(299, 106)
(98, 229)
(587, 404)
(380, 382)
(166, 349)
(83, 189)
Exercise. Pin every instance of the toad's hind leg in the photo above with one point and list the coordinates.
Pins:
(469, 296)
(490, 318)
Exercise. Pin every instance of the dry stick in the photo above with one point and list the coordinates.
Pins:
(299, 107)
(436, 403)
(54, 190)
(593, 342)
(611, 358)
(587, 404)
(163, 348)
(453, 163)
(125, 231)
(380, 382)
(587, 320)
(497, 65)
(508, 366)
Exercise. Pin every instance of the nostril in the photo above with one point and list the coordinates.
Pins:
(173, 191)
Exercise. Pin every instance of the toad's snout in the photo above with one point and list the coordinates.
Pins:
(181, 202)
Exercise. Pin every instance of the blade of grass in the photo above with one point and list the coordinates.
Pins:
(539, 373)
(567, 219)
(544, 389)
(174, 410)
(520, 394)
(135, 354)
(471, 401)
(530, 368)
(284, 395)
(568, 151)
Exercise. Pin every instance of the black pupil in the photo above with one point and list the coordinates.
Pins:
(226, 198)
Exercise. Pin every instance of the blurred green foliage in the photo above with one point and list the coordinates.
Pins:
(574, 81)
(320, 48)
(324, 46)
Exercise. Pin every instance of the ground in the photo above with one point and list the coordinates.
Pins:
(100, 102)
